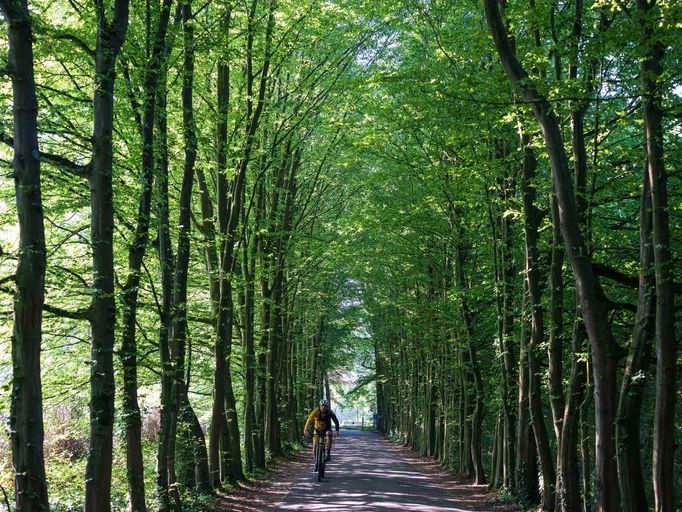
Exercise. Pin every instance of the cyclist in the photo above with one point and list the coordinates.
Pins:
(322, 418)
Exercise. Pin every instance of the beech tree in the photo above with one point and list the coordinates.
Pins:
(466, 214)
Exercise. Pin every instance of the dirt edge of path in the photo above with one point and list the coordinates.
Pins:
(458, 487)
(265, 494)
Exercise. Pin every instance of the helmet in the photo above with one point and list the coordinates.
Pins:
(324, 402)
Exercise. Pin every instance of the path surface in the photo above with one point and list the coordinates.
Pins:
(368, 474)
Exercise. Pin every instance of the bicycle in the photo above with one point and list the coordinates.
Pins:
(320, 456)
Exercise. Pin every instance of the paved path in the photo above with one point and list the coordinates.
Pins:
(365, 474)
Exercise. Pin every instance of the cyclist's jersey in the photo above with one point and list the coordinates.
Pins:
(322, 421)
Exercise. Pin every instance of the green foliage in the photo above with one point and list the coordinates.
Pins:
(408, 137)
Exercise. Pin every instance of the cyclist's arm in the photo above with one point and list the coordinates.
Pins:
(311, 418)
(335, 420)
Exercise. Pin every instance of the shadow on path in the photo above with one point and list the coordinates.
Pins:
(367, 474)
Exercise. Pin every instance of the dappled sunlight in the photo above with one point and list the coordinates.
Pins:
(367, 474)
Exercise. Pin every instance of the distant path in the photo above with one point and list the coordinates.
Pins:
(367, 474)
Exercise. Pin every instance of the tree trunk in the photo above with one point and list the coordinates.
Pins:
(178, 320)
(248, 259)
(533, 218)
(26, 413)
(478, 406)
(218, 420)
(585, 434)
(630, 474)
(569, 477)
(110, 37)
(509, 419)
(217, 450)
(172, 362)
(556, 331)
(527, 486)
(503, 259)
(261, 385)
(666, 342)
(235, 458)
(136, 254)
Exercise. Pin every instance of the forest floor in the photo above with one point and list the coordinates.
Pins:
(367, 473)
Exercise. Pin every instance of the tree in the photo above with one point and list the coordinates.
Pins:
(26, 416)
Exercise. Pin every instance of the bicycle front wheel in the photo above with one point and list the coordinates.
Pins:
(320, 461)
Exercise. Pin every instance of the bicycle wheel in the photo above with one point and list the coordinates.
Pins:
(320, 460)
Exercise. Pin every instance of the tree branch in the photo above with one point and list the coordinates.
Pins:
(77, 41)
(57, 160)
(81, 314)
(603, 270)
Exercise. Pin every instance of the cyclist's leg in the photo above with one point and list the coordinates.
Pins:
(328, 433)
(316, 440)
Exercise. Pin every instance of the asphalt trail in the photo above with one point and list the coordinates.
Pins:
(365, 474)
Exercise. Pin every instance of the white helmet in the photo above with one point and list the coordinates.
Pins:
(324, 401)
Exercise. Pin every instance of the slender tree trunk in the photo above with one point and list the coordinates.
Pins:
(666, 342)
(505, 275)
(261, 385)
(272, 430)
(212, 268)
(217, 451)
(467, 463)
(585, 435)
(630, 474)
(110, 37)
(569, 474)
(178, 333)
(556, 340)
(509, 419)
(136, 254)
(173, 361)
(556, 332)
(478, 406)
(496, 465)
(235, 458)
(26, 413)
(533, 218)
(249, 351)
(527, 486)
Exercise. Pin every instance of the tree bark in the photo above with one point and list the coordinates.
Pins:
(503, 258)
(666, 342)
(630, 474)
(556, 331)
(527, 486)
(569, 475)
(110, 37)
(136, 254)
(533, 218)
(26, 410)
(478, 406)
(166, 475)
(248, 263)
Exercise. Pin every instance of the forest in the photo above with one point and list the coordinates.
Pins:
(213, 212)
